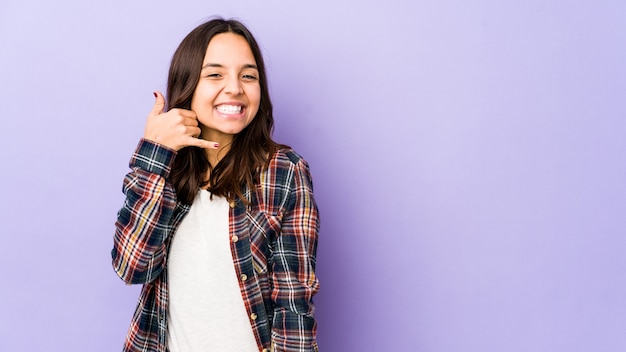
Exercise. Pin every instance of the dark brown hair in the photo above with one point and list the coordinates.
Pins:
(251, 149)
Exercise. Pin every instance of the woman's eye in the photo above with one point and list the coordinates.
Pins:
(213, 75)
(249, 77)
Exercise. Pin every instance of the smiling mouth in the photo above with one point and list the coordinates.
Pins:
(230, 109)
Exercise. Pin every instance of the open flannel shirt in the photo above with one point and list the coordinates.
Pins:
(273, 244)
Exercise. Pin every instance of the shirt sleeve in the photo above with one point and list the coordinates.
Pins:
(293, 269)
(143, 222)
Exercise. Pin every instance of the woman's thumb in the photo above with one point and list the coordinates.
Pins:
(159, 104)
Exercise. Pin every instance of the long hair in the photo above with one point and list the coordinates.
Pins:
(250, 150)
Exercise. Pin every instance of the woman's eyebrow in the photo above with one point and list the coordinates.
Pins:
(210, 64)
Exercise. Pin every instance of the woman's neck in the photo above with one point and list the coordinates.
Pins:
(224, 140)
(215, 155)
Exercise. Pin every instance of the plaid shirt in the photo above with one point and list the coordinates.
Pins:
(273, 244)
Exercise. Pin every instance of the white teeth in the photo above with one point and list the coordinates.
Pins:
(229, 109)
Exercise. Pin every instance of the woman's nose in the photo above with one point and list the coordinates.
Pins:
(233, 86)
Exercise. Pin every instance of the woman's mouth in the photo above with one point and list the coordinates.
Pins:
(229, 109)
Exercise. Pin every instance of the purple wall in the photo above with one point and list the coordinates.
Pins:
(468, 159)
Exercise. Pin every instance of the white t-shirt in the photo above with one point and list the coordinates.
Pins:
(206, 311)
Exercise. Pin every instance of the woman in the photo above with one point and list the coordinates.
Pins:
(219, 224)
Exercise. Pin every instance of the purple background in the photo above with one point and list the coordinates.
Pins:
(468, 159)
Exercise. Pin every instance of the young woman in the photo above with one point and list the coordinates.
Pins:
(219, 224)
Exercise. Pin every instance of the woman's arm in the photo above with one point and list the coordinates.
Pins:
(143, 223)
(293, 270)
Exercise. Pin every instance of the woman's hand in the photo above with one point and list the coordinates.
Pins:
(175, 129)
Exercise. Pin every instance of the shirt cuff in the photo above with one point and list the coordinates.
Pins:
(153, 157)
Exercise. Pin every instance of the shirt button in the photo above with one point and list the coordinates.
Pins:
(244, 277)
(234, 239)
(232, 204)
(253, 316)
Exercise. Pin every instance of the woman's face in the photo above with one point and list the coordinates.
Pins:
(228, 94)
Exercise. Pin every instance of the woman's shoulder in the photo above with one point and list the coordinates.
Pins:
(287, 157)
(286, 166)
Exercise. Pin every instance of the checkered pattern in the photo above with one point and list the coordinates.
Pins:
(273, 242)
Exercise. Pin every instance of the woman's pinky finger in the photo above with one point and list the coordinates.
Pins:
(198, 142)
